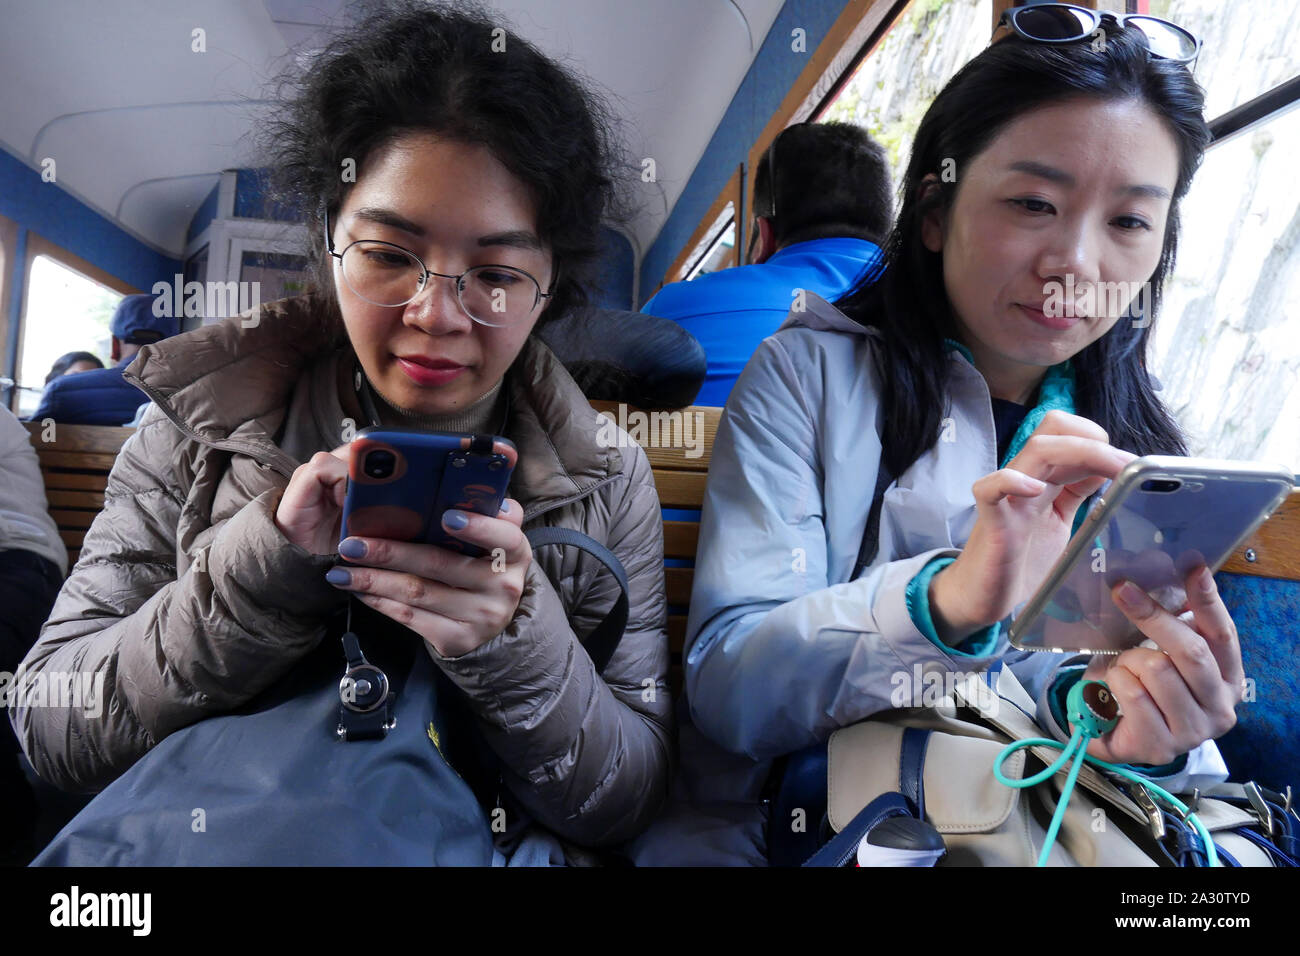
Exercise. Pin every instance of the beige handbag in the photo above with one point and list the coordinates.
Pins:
(985, 823)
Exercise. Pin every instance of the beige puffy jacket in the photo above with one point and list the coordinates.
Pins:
(179, 638)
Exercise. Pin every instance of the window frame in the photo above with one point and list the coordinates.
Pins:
(702, 237)
(8, 246)
(38, 245)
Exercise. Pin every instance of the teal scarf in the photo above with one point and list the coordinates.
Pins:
(1056, 391)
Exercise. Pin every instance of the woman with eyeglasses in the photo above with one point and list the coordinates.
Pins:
(985, 415)
(457, 179)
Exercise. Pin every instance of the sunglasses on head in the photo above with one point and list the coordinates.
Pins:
(1066, 23)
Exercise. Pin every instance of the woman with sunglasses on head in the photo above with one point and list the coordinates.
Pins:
(458, 185)
(1053, 160)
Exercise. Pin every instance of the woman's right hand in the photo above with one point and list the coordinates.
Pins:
(311, 508)
(1024, 517)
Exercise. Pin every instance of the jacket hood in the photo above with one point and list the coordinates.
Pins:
(821, 315)
(229, 385)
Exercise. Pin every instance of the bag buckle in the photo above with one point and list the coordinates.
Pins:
(1281, 802)
(1155, 816)
(1192, 806)
(1286, 803)
(1261, 807)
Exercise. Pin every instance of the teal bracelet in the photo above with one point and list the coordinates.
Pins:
(980, 644)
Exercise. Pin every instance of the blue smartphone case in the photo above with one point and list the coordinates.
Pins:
(400, 483)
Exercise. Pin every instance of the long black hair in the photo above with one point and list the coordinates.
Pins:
(904, 299)
(454, 71)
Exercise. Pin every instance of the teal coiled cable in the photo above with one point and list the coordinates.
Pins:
(1093, 713)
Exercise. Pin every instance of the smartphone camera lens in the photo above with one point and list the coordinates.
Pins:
(380, 464)
(1161, 485)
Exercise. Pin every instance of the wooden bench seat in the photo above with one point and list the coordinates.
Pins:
(681, 473)
(76, 462)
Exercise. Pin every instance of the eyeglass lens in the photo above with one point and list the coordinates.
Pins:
(1054, 23)
(1061, 23)
(1164, 39)
(389, 276)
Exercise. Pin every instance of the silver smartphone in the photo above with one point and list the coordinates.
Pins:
(1158, 520)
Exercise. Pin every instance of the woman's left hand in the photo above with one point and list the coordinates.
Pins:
(1173, 699)
(455, 602)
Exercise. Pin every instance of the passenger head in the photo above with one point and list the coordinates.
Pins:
(832, 179)
(134, 324)
(1039, 169)
(72, 362)
(433, 129)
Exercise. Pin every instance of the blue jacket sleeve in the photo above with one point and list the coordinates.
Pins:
(49, 406)
(780, 649)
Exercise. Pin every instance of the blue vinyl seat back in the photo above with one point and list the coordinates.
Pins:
(1265, 744)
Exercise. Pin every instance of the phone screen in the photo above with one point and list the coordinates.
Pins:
(1160, 520)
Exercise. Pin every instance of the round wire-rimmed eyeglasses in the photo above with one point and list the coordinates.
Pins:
(386, 274)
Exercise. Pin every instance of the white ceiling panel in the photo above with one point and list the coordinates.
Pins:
(139, 123)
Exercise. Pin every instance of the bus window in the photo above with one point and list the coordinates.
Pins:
(65, 312)
(1225, 344)
(894, 84)
(1246, 48)
(1226, 349)
(718, 249)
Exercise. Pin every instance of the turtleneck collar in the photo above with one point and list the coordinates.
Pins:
(486, 415)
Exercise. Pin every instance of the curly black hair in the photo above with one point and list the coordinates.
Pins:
(456, 72)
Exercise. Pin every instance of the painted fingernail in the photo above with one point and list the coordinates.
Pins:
(1134, 597)
(340, 577)
(352, 548)
(455, 520)
(1206, 581)
(505, 506)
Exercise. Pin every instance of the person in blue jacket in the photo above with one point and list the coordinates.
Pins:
(998, 418)
(815, 232)
(101, 396)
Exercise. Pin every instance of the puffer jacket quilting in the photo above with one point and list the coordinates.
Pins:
(190, 601)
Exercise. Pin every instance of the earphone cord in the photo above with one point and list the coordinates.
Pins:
(1077, 748)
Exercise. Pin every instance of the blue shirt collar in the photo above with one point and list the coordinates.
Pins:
(843, 245)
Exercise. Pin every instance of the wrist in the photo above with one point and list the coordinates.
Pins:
(950, 610)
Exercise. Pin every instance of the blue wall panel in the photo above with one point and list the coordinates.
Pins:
(47, 210)
(206, 212)
(769, 79)
(617, 265)
(255, 199)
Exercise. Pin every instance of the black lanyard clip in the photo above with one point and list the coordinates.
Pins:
(365, 695)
